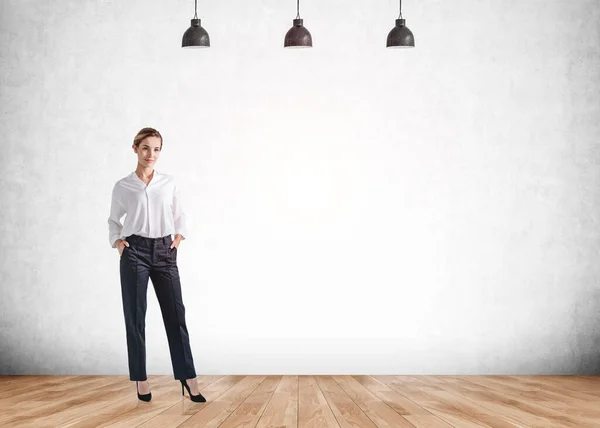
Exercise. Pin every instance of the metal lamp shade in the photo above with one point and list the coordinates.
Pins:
(298, 36)
(195, 36)
(400, 36)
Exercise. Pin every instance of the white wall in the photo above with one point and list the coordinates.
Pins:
(351, 209)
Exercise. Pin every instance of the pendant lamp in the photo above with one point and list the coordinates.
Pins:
(195, 36)
(400, 36)
(298, 36)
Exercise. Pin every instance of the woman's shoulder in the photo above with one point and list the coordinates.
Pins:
(123, 180)
(127, 177)
(167, 176)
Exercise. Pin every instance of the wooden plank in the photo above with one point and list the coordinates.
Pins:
(282, 410)
(313, 409)
(214, 412)
(378, 411)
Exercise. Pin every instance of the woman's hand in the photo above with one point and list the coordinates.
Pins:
(121, 243)
(176, 241)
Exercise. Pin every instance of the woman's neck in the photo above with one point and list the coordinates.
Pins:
(144, 172)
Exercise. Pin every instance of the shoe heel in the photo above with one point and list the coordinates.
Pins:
(195, 398)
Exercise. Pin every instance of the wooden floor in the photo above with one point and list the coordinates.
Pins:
(304, 401)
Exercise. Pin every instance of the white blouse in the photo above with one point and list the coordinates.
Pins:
(152, 211)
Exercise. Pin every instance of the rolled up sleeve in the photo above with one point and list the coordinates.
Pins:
(117, 211)
(179, 218)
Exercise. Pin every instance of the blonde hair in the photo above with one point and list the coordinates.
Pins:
(147, 132)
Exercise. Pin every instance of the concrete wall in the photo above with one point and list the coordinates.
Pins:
(352, 209)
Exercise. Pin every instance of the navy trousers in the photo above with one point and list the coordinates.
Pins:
(151, 258)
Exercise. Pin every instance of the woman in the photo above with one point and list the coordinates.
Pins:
(151, 203)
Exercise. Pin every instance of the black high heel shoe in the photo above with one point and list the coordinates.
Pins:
(143, 397)
(196, 398)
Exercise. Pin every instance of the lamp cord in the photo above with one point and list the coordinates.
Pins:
(400, 16)
(298, 9)
(195, 9)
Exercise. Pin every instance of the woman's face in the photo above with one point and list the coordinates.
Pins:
(148, 151)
